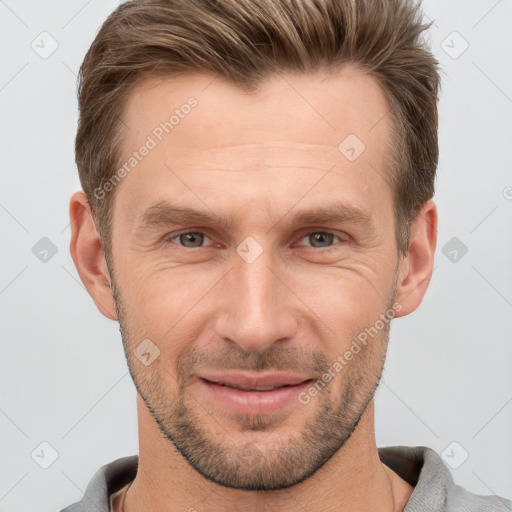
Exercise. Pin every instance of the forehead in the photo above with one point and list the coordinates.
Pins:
(294, 126)
(319, 108)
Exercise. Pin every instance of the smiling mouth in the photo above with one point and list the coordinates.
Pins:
(255, 388)
(252, 393)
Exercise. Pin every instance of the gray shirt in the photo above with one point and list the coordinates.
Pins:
(422, 467)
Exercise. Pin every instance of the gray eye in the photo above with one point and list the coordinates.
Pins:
(321, 239)
(191, 239)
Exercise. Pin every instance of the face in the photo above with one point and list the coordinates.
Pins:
(250, 255)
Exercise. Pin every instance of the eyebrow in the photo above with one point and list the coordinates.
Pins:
(164, 213)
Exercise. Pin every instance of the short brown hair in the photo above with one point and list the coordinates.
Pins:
(245, 41)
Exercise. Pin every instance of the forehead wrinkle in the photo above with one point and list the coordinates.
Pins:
(243, 157)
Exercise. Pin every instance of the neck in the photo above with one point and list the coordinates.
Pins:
(354, 479)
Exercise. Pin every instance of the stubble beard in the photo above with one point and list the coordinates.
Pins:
(252, 465)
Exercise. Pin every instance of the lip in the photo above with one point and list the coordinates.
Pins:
(247, 380)
(223, 389)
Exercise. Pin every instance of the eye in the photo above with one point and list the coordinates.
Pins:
(321, 239)
(196, 239)
(189, 239)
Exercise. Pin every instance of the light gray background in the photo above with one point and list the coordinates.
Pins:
(64, 378)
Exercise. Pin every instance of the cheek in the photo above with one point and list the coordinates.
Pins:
(344, 303)
(347, 295)
(159, 292)
(169, 307)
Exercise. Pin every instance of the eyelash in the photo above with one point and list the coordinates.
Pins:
(324, 249)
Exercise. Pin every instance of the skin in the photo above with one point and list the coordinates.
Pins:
(258, 158)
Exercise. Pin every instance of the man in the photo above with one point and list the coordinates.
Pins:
(257, 207)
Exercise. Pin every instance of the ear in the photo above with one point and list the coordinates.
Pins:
(87, 254)
(415, 269)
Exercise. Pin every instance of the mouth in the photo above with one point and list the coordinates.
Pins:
(251, 394)
(252, 388)
(251, 382)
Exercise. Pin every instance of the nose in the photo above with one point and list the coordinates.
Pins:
(256, 307)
